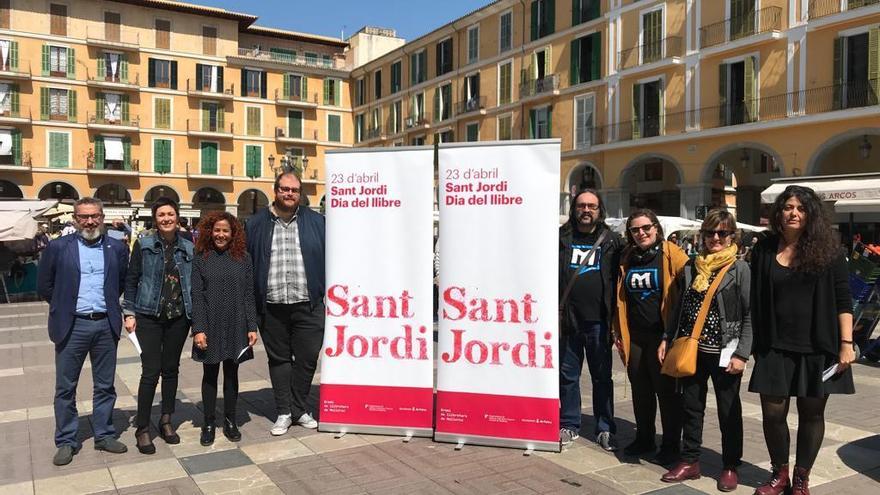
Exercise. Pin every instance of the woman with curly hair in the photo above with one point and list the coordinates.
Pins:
(802, 322)
(224, 315)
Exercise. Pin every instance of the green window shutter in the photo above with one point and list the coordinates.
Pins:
(123, 68)
(16, 146)
(71, 105)
(533, 131)
(45, 59)
(126, 153)
(724, 109)
(596, 56)
(304, 88)
(15, 107)
(337, 84)
(548, 61)
(576, 12)
(326, 91)
(437, 105)
(209, 158)
(13, 55)
(549, 122)
(874, 63)
(253, 157)
(837, 97)
(102, 67)
(99, 152)
(575, 69)
(64, 149)
(71, 63)
(99, 106)
(533, 20)
(549, 17)
(750, 89)
(286, 86)
(412, 70)
(637, 111)
(221, 119)
(662, 110)
(334, 131)
(295, 124)
(206, 121)
(124, 112)
(44, 103)
(595, 9)
(158, 156)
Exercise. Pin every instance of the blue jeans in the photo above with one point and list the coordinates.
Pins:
(589, 340)
(95, 339)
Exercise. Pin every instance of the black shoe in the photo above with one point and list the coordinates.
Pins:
(143, 442)
(207, 437)
(639, 447)
(230, 430)
(111, 445)
(667, 456)
(166, 431)
(64, 455)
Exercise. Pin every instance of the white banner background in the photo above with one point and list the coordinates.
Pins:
(379, 243)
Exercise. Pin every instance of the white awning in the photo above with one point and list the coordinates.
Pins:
(857, 206)
(5, 142)
(17, 218)
(830, 190)
(113, 148)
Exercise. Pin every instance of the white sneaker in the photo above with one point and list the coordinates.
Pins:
(307, 421)
(282, 424)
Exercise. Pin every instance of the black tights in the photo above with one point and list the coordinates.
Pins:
(230, 389)
(810, 432)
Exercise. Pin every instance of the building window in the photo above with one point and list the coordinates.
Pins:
(505, 41)
(295, 124)
(209, 158)
(113, 67)
(395, 76)
(59, 102)
(417, 109)
(856, 78)
(586, 59)
(294, 87)
(58, 19)
(377, 84)
(505, 127)
(472, 93)
(505, 82)
(584, 10)
(444, 137)
(654, 171)
(253, 117)
(253, 160)
(112, 21)
(418, 63)
(209, 78)
(209, 40)
(443, 102)
(5, 13)
(473, 37)
(282, 55)
(652, 36)
(444, 56)
(647, 109)
(311, 58)
(360, 89)
(583, 129)
(396, 116)
(326, 61)
(540, 123)
(253, 83)
(375, 122)
(359, 128)
(213, 117)
(162, 73)
(332, 92)
(9, 100)
(334, 128)
(162, 113)
(58, 61)
(418, 141)
(543, 18)
(112, 153)
(472, 132)
(112, 108)
(738, 83)
(163, 34)
(59, 149)
(162, 156)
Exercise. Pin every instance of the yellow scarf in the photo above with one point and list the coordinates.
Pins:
(708, 263)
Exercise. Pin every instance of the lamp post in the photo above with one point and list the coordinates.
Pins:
(272, 164)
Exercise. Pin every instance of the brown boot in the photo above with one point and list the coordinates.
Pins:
(682, 471)
(801, 482)
(778, 483)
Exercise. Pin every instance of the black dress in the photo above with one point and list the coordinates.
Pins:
(223, 305)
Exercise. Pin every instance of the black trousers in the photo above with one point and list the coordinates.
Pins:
(292, 335)
(161, 343)
(230, 389)
(650, 387)
(694, 390)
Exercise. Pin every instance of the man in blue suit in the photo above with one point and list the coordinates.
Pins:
(81, 277)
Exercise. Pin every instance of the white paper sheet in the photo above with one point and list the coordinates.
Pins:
(727, 353)
(134, 340)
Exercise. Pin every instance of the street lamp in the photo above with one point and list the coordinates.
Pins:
(865, 148)
(272, 163)
(305, 164)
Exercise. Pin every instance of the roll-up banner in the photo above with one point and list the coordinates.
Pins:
(377, 359)
(498, 365)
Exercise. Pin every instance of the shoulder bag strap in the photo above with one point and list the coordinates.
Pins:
(583, 262)
(707, 301)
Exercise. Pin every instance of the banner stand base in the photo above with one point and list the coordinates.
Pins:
(407, 433)
(513, 443)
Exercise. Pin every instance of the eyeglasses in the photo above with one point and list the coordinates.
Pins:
(586, 206)
(644, 228)
(93, 216)
(720, 233)
(292, 190)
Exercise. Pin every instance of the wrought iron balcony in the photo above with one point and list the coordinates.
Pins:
(10, 115)
(111, 82)
(471, 105)
(337, 62)
(295, 100)
(537, 87)
(666, 48)
(192, 89)
(210, 129)
(765, 20)
(824, 8)
(422, 121)
(112, 123)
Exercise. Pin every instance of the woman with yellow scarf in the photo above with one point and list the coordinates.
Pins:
(725, 342)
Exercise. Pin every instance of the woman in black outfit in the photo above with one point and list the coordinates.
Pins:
(802, 319)
(157, 308)
(224, 315)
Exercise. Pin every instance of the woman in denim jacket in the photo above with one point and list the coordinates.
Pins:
(158, 305)
(724, 346)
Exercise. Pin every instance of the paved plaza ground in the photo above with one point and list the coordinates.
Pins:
(305, 461)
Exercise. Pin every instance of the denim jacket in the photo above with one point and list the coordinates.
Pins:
(143, 283)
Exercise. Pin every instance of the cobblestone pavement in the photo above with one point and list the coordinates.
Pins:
(304, 461)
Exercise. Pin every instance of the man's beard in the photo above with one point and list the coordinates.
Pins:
(92, 234)
(586, 219)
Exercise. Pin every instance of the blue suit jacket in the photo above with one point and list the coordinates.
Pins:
(58, 282)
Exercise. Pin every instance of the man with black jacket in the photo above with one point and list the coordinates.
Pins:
(286, 244)
(587, 311)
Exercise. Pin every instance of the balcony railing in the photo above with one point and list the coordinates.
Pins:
(764, 20)
(8, 114)
(94, 78)
(471, 105)
(420, 121)
(122, 38)
(823, 8)
(372, 133)
(191, 87)
(212, 127)
(131, 166)
(16, 71)
(93, 119)
(650, 52)
(337, 62)
(304, 98)
(808, 102)
(539, 86)
(392, 127)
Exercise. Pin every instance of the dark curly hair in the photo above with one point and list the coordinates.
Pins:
(205, 243)
(818, 245)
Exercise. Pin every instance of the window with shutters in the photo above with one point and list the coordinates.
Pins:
(162, 73)
(395, 76)
(586, 59)
(543, 18)
(282, 55)
(334, 128)
(59, 149)
(417, 109)
(738, 92)
(8, 100)
(472, 132)
(58, 19)
(295, 124)
(541, 64)
(294, 87)
(162, 156)
(360, 90)
(253, 160)
(583, 121)
(112, 21)
(418, 63)
(471, 93)
(397, 117)
(254, 117)
(473, 48)
(857, 70)
(359, 128)
(444, 137)
(253, 80)
(326, 61)
(5, 14)
(505, 127)
(209, 40)
(163, 34)
(647, 109)
(212, 117)
(443, 102)
(444, 56)
(652, 36)
(375, 122)
(742, 18)
(311, 58)
(206, 77)
(505, 35)
(377, 84)
(505, 82)
(540, 123)
(209, 157)
(113, 67)
(332, 91)
(584, 10)
(418, 141)
(8, 55)
(58, 62)
(59, 99)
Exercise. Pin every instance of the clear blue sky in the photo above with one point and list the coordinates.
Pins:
(411, 18)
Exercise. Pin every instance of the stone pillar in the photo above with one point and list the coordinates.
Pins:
(616, 202)
(692, 196)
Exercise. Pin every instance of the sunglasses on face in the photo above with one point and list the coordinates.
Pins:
(646, 229)
(720, 233)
